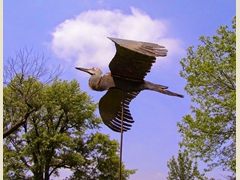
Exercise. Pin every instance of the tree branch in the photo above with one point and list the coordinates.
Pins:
(17, 149)
(18, 124)
(60, 165)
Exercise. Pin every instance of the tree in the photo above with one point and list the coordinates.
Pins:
(183, 168)
(26, 64)
(103, 160)
(60, 133)
(50, 124)
(210, 71)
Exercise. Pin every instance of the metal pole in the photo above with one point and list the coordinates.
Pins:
(121, 140)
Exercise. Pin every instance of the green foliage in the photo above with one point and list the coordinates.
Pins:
(183, 168)
(102, 161)
(210, 71)
(59, 133)
(26, 65)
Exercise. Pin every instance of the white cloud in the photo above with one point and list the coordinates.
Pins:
(82, 39)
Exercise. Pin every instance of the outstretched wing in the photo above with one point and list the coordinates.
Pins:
(134, 59)
(110, 108)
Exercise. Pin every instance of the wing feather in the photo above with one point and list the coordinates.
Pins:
(134, 59)
(110, 108)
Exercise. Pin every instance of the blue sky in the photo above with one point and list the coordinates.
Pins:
(74, 33)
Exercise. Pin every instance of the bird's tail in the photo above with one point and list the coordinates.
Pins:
(161, 89)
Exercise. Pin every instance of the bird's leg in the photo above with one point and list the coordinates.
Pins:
(151, 86)
(160, 88)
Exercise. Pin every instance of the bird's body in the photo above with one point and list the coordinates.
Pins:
(129, 66)
(100, 82)
(107, 81)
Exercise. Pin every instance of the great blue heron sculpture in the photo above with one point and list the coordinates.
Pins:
(132, 61)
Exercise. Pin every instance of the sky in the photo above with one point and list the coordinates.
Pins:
(74, 33)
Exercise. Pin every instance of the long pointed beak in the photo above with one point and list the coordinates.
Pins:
(84, 70)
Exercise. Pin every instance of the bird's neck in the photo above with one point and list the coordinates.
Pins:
(94, 82)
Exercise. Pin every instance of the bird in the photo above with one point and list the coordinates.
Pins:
(128, 68)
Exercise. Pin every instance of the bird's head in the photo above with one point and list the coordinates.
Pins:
(91, 71)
